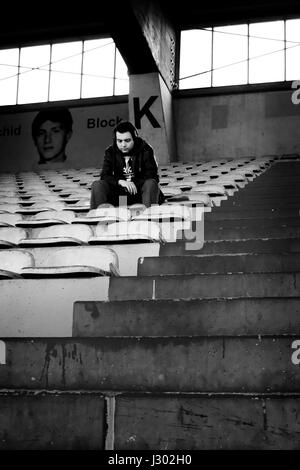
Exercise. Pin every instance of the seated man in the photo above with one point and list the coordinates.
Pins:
(129, 170)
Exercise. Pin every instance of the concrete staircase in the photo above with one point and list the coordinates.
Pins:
(196, 352)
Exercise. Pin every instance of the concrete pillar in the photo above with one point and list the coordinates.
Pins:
(151, 110)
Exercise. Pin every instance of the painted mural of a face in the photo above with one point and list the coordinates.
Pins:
(51, 132)
(51, 141)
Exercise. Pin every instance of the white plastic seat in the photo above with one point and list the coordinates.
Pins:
(8, 193)
(35, 192)
(75, 261)
(66, 234)
(166, 180)
(182, 185)
(9, 199)
(13, 261)
(130, 231)
(45, 218)
(136, 209)
(42, 206)
(211, 189)
(105, 215)
(192, 196)
(8, 207)
(9, 220)
(32, 203)
(198, 179)
(82, 205)
(165, 212)
(177, 174)
(169, 191)
(11, 236)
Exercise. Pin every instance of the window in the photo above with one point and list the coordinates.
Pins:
(64, 71)
(229, 52)
(240, 54)
(9, 60)
(196, 68)
(33, 74)
(266, 52)
(292, 49)
(65, 75)
(98, 68)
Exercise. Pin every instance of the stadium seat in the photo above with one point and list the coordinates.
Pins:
(13, 261)
(45, 218)
(165, 212)
(105, 214)
(9, 220)
(9, 207)
(130, 231)
(75, 261)
(136, 209)
(169, 191)
(211, 189)
(42, 206)
(11, 236)
(57, 235)
(192, 196)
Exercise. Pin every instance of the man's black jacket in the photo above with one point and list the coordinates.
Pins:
(144, 163)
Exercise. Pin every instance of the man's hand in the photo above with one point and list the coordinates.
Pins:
(129, 186)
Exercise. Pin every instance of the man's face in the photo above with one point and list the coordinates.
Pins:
(125, 142)
(51, 140)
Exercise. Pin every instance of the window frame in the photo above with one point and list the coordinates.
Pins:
(240, 88)
(114, 98)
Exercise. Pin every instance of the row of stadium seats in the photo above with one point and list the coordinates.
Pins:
(64, 262)
(100, 215)
(60, 189)
(81, 234)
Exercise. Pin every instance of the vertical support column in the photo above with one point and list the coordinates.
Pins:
(151, 111)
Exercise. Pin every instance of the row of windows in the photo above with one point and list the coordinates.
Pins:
(209, 57)
(65, 71)
(240, 54)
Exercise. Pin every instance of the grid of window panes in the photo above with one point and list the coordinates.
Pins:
(65, 71)
(240, 54)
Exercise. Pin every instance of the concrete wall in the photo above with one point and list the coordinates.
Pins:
(206, 128)
(233, 126)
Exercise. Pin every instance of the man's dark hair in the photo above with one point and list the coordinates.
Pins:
(61, 115)
(126, 126)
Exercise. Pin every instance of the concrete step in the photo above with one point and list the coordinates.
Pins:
(266, 192)
(250, 204)
(259, 208)
(207, 422)
(283, 222)
(288, 180)
(242, 233)
(263, 187)
(32, 420)
(271, 245)
(218, 213)
(221, 263)
(214, 317)
(279, 177)
(157, 421)
(260, 364)
(207, 286)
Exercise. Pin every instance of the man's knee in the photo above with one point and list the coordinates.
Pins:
(99, 185)
(150, 184)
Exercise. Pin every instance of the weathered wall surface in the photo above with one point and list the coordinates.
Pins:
(233, 126)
